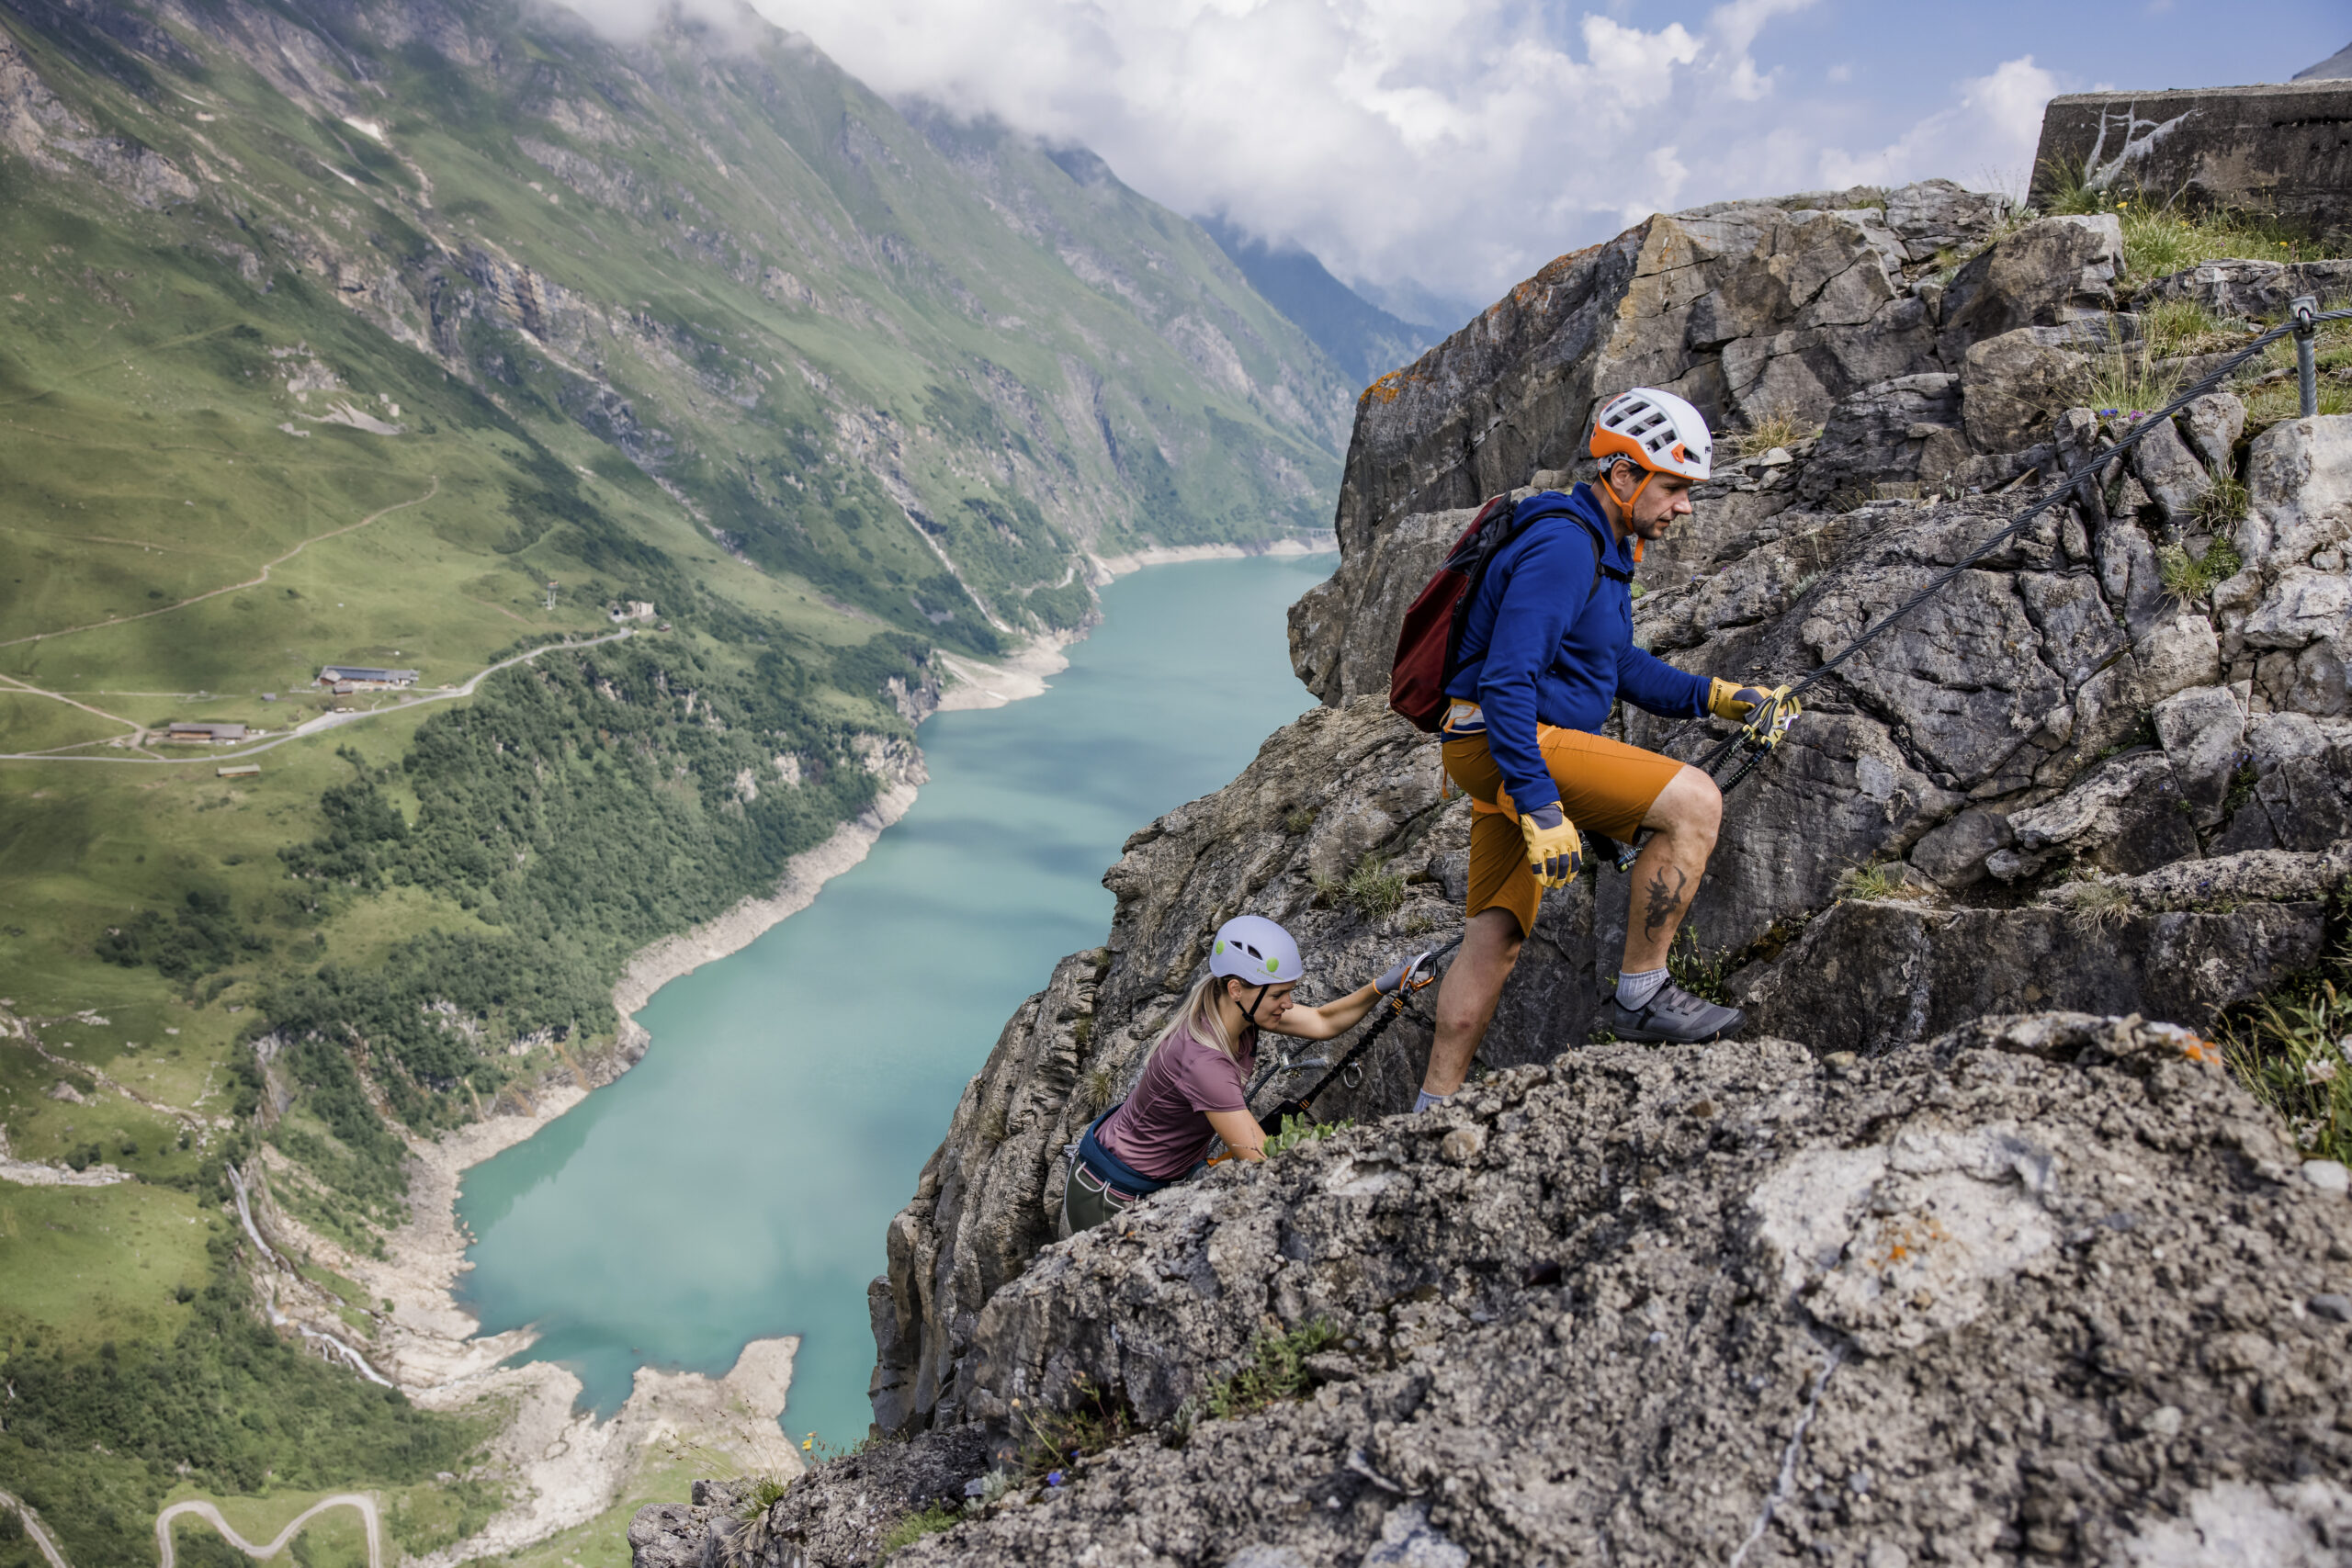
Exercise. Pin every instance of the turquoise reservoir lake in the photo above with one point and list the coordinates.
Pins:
(735, 1185)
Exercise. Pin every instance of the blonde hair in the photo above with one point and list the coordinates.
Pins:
(1201, 1014)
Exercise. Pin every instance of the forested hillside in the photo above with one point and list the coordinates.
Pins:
(660, 418)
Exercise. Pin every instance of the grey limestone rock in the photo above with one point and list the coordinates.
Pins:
(2213, 424)
(671, 1535)
(1874, 974)
(2127, 815)
(2203, 733)
(1708, 1302)
(1896, 432)
(1990, 754)
(2016, 383)
(1938, 215)
(1748, 309)
(1953, 855)
(2171, 475)
(2257, 289)
(2049, 273)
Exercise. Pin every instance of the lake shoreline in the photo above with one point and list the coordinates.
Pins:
(433, 1345)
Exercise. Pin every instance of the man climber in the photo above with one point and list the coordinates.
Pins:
(1547, 648)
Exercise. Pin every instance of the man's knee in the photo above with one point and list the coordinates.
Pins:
(1691, 804)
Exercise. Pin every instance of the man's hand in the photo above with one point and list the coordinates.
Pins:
(1725, 700)
(1769, 714)
(1554, 851)
(1405, 969)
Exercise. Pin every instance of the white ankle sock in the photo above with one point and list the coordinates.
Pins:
(1634, 991)
(1428, 1099)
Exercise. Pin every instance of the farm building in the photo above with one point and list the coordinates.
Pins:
(189, 732)
(364, 678)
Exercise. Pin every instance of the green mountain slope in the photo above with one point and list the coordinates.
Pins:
(435, 335)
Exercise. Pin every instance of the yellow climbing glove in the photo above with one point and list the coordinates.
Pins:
(1767, 715)
(1728, 700)
(1554, 851)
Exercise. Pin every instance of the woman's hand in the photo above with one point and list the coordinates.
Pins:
(1399, 972)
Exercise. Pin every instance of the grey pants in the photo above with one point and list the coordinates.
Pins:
(1086, 1200)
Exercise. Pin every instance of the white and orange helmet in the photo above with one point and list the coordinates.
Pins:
(1659, 431)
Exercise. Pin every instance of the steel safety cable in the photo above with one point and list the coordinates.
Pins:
(1717, 755)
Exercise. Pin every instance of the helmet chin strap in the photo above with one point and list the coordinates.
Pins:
(1250, 1012)
(1648, 475)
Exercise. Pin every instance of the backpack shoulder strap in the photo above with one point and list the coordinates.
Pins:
(1601, 565)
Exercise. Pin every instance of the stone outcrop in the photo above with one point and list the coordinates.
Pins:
(1730, 1302)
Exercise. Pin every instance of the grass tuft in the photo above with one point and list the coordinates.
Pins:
(2127, 387)
(1274, 1369)
(1701, 975)
(2175, 327)
(932, 1521)
(1883, 880)
(1052, 1441)
(2293, 1049)
(2278, 401)
(2190, 579)
(2223, 505)
(1373, 892)
(1780, 427)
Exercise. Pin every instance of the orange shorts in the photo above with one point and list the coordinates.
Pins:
(1606, 786)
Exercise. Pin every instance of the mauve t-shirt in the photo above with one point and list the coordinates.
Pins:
(1161, 1131)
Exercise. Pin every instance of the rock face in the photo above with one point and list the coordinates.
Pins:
(2049, 1287)
(1969, 1298)
(1751, 309)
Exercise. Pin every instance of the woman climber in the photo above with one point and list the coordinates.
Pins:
(1194, 1088)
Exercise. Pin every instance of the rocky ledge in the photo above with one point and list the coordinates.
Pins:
(2049, 1287)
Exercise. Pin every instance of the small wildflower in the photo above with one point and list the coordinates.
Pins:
(1053, 1478)
(2319, 1070)
(808, 1443)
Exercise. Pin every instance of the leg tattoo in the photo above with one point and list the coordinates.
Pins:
(1663, 904)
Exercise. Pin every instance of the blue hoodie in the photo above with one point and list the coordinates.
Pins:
(1543, 644)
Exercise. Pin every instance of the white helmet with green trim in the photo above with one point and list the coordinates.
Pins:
(1252, 948)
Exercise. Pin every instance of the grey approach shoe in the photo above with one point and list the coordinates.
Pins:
(1673, 1017)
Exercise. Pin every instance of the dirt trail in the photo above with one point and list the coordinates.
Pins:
(211, 1516)
(431, 491)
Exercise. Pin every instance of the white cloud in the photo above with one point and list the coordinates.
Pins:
(1460, 143)
(1987, 138)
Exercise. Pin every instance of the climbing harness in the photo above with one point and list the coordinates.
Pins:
(1753, 741)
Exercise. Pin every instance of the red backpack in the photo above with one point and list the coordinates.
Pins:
(1429, 645)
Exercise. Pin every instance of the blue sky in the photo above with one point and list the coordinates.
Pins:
(1460, 143)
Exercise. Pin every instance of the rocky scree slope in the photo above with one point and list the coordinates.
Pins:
(2076, 788)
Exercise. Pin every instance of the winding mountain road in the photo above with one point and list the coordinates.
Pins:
(33, 1529)
(211, 1516)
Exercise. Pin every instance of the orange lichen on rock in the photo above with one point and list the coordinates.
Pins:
(1387, 390)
